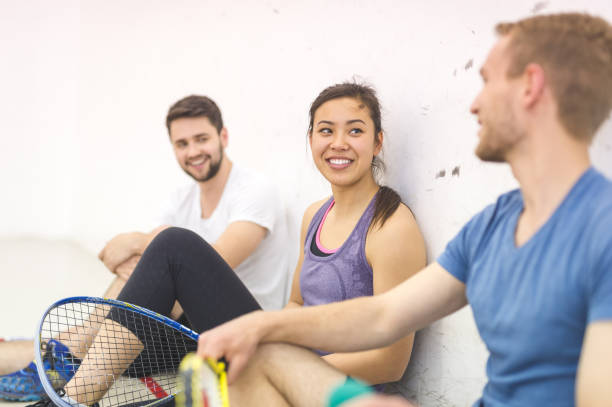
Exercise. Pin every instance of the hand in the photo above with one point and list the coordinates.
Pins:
(125, 269)
(235, 340)
(119, 249)
(379, 401)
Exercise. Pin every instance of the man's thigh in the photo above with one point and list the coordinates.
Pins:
(281, 375)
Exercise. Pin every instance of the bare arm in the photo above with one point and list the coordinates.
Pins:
(593, 381)
(239, 241)
(396, 252)
(348, 326)
(126, 245)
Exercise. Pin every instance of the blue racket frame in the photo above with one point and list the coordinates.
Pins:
(51, 392)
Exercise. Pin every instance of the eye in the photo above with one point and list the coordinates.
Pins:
(180, 144)
(355, 132)
(202, 139)
(325, 131)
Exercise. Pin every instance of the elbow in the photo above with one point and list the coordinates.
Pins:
(397, 369)
(396, 359)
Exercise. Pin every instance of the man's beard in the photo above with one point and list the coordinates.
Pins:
(488, 153)
(212, 170)
(498, 139)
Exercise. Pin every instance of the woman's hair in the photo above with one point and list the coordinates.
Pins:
(387, 200)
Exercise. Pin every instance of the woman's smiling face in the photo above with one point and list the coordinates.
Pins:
(343, 141)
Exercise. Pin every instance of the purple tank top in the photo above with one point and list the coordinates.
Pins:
(342, 275)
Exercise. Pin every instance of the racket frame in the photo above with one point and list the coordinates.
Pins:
(48, 387)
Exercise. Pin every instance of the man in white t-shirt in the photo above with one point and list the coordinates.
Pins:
(237, 211)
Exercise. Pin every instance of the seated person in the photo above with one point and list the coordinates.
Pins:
(359, 242)
(535, 266)
(236, 209)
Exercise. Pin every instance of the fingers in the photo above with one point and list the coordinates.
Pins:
(235, 367)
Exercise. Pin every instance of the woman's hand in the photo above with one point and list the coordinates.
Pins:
(236, 341)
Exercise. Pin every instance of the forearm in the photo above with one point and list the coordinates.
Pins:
(375, 366)
(333, 327)
(369, 322)
(292, 304)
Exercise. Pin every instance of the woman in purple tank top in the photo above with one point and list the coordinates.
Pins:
(360, 241)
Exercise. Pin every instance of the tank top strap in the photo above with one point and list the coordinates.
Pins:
(316, 220)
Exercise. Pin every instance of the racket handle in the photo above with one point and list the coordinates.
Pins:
(349, 390)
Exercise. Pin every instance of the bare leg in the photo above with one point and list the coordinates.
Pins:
(111, 353)
(15, 355)
(285, 375)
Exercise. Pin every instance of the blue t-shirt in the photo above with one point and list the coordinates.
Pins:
(533, 303)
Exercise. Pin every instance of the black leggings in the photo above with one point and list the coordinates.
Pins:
(180, 266)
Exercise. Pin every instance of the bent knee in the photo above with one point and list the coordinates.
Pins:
(178, 237)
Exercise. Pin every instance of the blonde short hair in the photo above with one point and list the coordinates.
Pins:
(575, 51)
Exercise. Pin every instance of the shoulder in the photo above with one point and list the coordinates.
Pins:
(311, 211)
(600, 192)
(489, 217)
(400, 226)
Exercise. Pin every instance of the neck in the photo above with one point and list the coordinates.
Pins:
(546, 169)
(213, 188)
(355, 197)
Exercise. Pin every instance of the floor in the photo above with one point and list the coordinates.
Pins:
(37, 272)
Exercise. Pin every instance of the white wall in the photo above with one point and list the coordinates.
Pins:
(86, 85)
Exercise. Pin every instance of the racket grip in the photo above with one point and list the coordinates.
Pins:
(349, 390)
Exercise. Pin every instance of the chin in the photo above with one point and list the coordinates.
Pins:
(491, 156)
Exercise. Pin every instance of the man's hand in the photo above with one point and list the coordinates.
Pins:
(236, 341)
(125, 269)
(379, 401)
(121, 248)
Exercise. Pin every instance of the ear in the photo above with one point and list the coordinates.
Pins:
(379, 143)
(535, 82)
(224, 137)
(310, 139)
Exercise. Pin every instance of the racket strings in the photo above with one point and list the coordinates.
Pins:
(113, 355)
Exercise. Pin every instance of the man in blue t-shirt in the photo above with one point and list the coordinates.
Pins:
(536, 266)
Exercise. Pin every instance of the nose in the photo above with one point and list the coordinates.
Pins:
(474, 108)
(339, 141)
(192, 150)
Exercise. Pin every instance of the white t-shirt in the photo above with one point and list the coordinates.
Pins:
(247, 196)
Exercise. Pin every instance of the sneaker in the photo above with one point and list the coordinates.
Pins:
(24, 384)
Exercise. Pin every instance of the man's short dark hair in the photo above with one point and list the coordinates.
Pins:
(195, 106)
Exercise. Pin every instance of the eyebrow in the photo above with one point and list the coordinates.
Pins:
(348, 122)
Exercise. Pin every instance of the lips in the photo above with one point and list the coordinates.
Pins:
(197, 162)
(339, 163)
